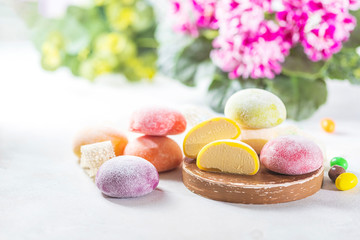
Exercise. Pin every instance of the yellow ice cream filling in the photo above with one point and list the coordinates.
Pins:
(230, 156)
(209, 131)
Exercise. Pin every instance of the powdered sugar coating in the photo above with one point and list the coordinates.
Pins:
(157, 121)
(94, 155)
(255, 108)
(126, 177)
(291, 155)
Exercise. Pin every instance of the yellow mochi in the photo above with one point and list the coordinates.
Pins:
(209, 131)
(229, 156)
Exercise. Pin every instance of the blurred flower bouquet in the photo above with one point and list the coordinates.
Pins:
(288, 47)
(109, 36)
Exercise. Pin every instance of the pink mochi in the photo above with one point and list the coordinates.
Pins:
(291, 155)
(157, 122)
(127, 177)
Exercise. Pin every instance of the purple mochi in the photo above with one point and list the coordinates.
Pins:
(127, 177)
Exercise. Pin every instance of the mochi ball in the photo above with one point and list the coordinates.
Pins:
(95, 134)
(127, 177)
(255, 108)
(163, 152)
(291, 155)
(157, 121)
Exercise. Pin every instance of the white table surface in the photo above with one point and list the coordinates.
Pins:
(44, 194)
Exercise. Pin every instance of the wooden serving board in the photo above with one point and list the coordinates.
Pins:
(265, 187)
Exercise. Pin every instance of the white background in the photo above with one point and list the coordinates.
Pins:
(44, 194)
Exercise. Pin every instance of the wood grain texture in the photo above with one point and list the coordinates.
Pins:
(265, 187)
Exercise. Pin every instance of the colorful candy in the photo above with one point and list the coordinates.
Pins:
(255, 108)
(335, 171)
(209, 131)
(291, 155)
(230, 156)
(164, 153)
(127, 177)
(343, 180)
(339, 161)
(346, 181)
(100, 134)
(328, 125)
(157, 122)
(94, 155)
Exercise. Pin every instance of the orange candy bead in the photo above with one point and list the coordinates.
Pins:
(163, 152)
(100, 134)
(328, 125)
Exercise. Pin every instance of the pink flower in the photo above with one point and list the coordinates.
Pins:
(248, 45)
(354, 5)
(206, 13)
(192, 15)
(235, 16)
(325, 38)
(321, 26)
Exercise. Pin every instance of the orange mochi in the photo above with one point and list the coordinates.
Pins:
(163, 152)
(97, 134)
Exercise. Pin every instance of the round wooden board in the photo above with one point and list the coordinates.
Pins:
(265, 187)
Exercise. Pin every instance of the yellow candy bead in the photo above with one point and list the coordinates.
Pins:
(209, 131)
(229, 156)
(346, 181)
(328, 125)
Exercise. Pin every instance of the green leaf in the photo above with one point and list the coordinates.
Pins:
(219, 91)
(43, 27)
(94, 22)
(221, 88)
(170, 44)
(78, 28)
(301, 96)
(354, 40)
(73, 64)
(74, 31)
(191, 59)
(345, 65)
(298, 64)
(182, 57)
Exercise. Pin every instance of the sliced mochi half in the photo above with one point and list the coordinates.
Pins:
(209, 131)
(229, 156)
